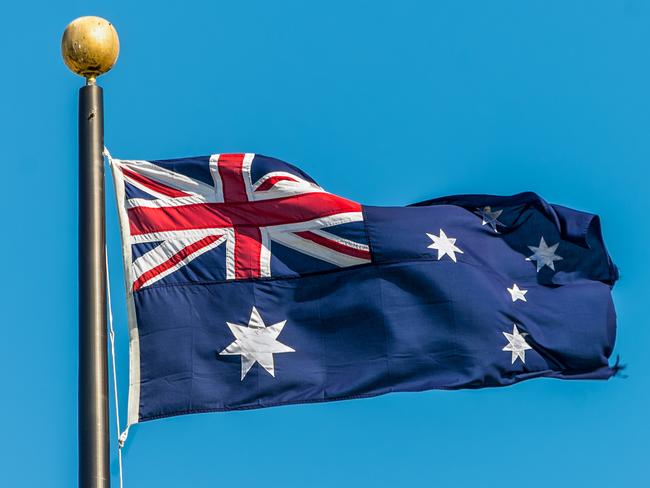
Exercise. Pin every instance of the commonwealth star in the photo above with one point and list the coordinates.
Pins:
(256, 343)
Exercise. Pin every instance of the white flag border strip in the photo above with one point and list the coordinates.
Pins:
(173, 241)
(133, 408)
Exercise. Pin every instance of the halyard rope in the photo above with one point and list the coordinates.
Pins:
(111, 335)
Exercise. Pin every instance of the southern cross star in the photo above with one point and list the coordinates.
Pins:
(256, 343)
(516, 293)
(516, 344)
(444, 245)
(490, 217)
(544, 255)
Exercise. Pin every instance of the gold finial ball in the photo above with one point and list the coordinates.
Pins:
(90, 46)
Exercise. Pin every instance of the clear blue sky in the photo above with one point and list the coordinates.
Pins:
(384, 103)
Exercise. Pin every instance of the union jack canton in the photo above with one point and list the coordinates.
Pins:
(244, 203)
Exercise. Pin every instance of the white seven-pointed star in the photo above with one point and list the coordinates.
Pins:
(490, 217)
(516, 344)
(516, 293)
(256, 343)
(544, 255)
(444, 245)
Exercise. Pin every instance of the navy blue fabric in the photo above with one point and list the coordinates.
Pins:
(265, 164)
(134, 192)
(197, 168)
(405, 322)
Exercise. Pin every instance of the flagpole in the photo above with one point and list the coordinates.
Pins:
(90, 47)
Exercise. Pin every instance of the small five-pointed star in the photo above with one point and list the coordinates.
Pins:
(544, 255)
(490, 217)
(516, 293)
(445, 245)
(516, 344)
(256, 343)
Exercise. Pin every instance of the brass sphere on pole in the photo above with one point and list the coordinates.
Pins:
(90, 47)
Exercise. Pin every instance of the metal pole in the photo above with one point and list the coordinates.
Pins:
(90, 46)
(93, 372)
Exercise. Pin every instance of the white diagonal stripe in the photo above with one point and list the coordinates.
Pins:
(163, 201)
(163, 253)
(342, 240)
(319, 223)
(144, 188)
(316, 250)
(284, 189)
(178, 234)
(172, 179)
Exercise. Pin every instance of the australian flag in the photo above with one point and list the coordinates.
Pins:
(251, 286)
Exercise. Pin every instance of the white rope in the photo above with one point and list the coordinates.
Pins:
(111, 333)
